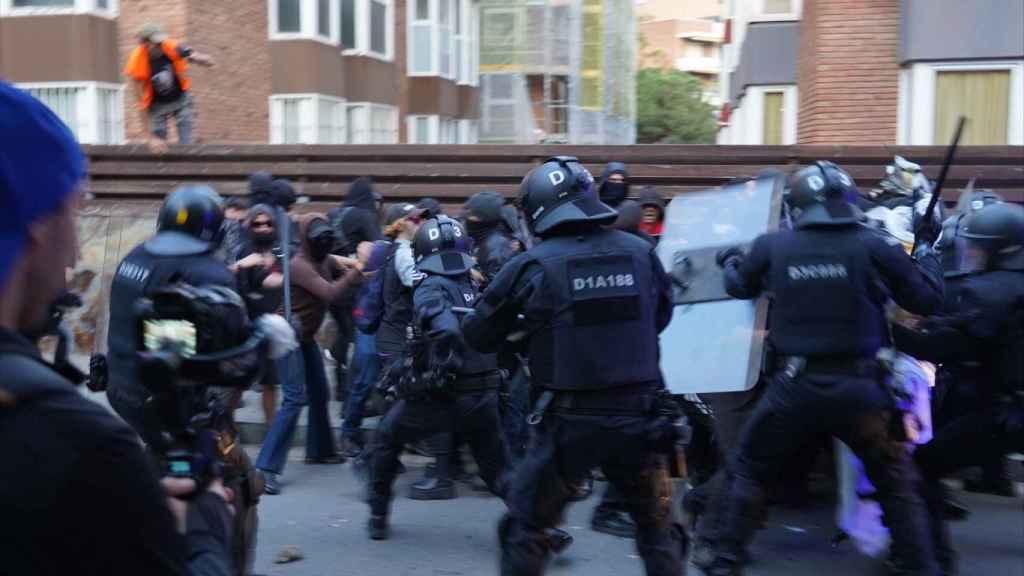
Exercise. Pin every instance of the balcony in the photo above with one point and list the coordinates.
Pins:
(699, 65)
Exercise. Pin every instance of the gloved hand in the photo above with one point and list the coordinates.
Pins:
(98, 373)
(726, 255)
(926, 230)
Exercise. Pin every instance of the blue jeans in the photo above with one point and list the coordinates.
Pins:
(303, 381)
(364, 372)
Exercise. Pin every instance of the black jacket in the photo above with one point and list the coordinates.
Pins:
(359, 219)
(78, 495)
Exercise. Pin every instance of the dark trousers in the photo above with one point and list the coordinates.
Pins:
(563, 449)
(973, 439)
(852, 408)
(474, 414)
(515, 407)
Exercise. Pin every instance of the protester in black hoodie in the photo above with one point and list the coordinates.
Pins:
(358, 218)
(614, 187)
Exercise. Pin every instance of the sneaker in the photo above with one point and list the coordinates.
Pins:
(433, 489)
(581, 490)
(613, 522)
(558, 540)
(271, 483)
(332, 459)
(378, 528)
(350, 448)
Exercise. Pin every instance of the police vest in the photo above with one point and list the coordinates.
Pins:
(398, 310)
(828, 298)
(602, 331)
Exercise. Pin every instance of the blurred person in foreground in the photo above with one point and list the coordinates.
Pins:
(94, 484)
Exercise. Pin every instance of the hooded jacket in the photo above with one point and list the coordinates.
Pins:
(650, 196)
(312, 285)
(360, 221)
(604, 192)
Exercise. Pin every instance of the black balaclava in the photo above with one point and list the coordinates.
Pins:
(320, 237)
(262, 239)
(614, 193)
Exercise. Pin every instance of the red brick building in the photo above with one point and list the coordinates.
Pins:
(872, 71)
(287, 71)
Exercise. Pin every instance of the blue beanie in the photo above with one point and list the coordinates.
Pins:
(41, 165)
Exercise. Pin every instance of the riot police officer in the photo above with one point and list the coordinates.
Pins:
(447, 382)
(182, 250)
(830, 279)
(593, 301)
(985, 331)
(188, 234)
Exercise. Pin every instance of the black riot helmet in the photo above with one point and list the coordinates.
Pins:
(822, 195)
(189, 222)
(998, 229)
(975, 199)
(441, 246)
(561, 191)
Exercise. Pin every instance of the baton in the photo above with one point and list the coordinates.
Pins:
(937, 190)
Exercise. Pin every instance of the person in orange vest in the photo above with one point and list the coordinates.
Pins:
(157, 66)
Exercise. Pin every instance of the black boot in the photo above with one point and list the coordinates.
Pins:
(378, 528)
(433, 489)
(613, 522)
(581, 490)
(724, 565)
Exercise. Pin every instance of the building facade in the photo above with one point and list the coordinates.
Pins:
(287, 71)
(872, 72)
(684, 35)
(558, 71)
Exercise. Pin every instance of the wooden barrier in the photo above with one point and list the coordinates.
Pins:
(453, 173)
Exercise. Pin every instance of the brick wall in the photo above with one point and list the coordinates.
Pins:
(848, 72)
(231, 99)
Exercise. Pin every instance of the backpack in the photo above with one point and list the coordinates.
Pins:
(370, 305)
(336, 218)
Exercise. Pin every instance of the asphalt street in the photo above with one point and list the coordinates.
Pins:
(322, 512)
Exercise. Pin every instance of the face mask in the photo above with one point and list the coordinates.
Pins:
(478, 231)
(263, 240)
(613, 193)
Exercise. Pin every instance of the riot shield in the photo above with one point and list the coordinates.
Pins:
(714, 343)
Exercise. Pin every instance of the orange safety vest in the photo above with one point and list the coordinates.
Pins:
(138, 69)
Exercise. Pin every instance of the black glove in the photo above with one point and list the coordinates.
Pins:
(725, 255)
(926, 230)
(98, 373)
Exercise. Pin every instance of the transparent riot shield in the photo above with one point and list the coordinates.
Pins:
(714, 343)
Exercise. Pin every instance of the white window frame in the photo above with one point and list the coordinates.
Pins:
(759, 15)
(468, 131)
(469, 67)
(433, 128)
(747, 123)
(435, 37)
(8, 9)
(309, 118)
(86, 126)
(362, 29)
(308, 23)
(916, 123)
(362, 131)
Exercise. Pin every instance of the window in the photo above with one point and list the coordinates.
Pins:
(592, 68)
(348, 24)
(443, 38)
(771, 133)
(307, 119)
(288, 18)
(372, 123)
(932, 95)
(367, 28)
(467, 132)
(304, 19)
(93, 111)
(106, 8)
(777, 6)
(419, 129)
(982, 96)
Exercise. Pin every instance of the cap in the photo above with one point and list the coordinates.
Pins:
(152, 32)
(399, 211)
(41, 165)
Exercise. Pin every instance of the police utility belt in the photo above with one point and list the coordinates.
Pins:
(626, 401)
